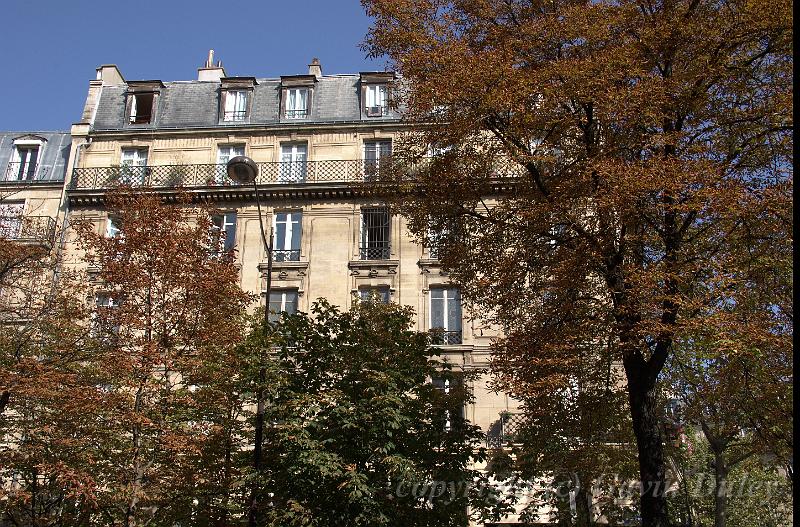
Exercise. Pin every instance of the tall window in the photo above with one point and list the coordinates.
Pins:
(293, 163)
(224, 154)
(449, 384)
(296, 103)
(133, 166)
(11, 220)
(225, 230)
(24, 161)
(375, 233)
(286, 240)
(379, 293)
(446, 314)
(376, 103)
(375, 154)
(282, 303)
(235, 105)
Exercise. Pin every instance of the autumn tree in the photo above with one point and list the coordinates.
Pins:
(168, 313)
(590, 163)
(365, 424)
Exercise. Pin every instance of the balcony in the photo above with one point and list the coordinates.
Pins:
(269, 173)
(440, 337)
(505, 431)
(34, 230)
(23, 172)
(286, 255)
(376, 251)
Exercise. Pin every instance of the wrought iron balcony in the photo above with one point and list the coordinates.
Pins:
(446, 338)
(505, 430)
(170, 176)
(297, 114)
(28, 229)
(17, 171)
(286, 255)
(376, 252)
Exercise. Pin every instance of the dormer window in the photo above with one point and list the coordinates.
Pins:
(25, 157)
(375, 93)
(376, 103)
(296, 103)
(297, 92)
(141, 101)
(235, 105)
(236, 99)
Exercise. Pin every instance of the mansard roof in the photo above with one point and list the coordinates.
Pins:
(52, 157)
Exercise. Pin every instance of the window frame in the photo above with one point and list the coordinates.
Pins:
(274, 317)
(297, 113)
(285, 252)
(130, 167)
(294, 170)
(445, 312)
(223, 227)
(372, 248)
(376, 93)
(20, 166)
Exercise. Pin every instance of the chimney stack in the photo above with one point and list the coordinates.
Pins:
(210, 72)
(315, 68)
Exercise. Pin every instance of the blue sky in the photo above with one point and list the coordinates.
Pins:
(52, 47)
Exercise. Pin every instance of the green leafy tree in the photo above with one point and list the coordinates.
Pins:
(358, 434)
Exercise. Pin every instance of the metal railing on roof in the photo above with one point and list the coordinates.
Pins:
(16, 171)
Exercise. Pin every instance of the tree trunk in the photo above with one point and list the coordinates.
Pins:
(642, 397)
(720, 489)
(583, 505)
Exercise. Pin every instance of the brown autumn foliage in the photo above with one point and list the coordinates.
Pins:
(141, 424)
(599, 170)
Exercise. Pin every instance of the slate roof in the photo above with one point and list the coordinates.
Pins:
(195, 104)
(52, 158)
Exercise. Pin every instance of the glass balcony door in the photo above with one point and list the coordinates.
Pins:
(293, 163)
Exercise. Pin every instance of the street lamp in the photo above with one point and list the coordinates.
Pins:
(244, 170)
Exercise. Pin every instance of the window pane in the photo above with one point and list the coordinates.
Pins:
(290, 302)
(453, 310)
(296, 231)
(437, 311)
(280, 233)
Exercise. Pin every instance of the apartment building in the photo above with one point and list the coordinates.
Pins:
(315, 139)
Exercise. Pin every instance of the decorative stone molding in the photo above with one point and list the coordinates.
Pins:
(285, 275)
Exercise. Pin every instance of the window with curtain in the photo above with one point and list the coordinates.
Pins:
(293, 163)
(134, 166)
(376, 103)
(224, 154)
(235, 105)
(296, 103)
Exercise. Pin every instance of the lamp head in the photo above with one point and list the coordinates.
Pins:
(242, 169)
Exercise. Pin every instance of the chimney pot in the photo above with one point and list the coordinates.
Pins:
(315, 68)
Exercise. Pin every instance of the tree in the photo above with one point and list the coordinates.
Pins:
(169, 313)
(360, 435)
(591, 162)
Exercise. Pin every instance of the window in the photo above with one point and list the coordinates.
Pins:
(449, 384)
(112, 227)
(374, 293)
(286, 238)
(376, 153)
(225, 230)
(296, 103)
(376, 100)
(282, 303)
(141, 108)
(235, 105)
(224, 154)
(104, 316)
(24, 162)
(435, 242)
(375, 234)
(11, 220)
(293, 163)
(445, 314)
(133, 166)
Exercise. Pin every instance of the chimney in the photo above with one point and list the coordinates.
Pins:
(110, 75)
(210, 72)
(315, 68)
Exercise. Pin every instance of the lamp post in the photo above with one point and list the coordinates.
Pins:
(244, 170)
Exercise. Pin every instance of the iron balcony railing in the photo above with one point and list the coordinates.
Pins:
(286, 255)
(272, 172)
(376, 252)
(505, 431)
(238, 115)
(446, 338)
(17, 171)
(29, 229)
(297, 114)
